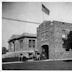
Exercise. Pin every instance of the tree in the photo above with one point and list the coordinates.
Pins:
(68, 42)
(4, 50)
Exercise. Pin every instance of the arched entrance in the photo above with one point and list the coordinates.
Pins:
(45, 51)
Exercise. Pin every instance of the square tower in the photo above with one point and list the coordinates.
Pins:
(50, 39)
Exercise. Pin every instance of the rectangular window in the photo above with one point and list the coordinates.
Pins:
(32, 43)
(29, 43)
(21, 44)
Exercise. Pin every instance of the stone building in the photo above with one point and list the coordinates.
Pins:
(23, 43)
(50, 36)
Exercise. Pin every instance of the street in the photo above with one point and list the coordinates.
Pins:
(39, 65)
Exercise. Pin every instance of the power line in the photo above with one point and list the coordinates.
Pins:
(19, 20)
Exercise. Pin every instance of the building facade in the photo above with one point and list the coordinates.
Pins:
(23, 43)
(50, 37)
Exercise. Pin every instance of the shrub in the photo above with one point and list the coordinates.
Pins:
(11, 59)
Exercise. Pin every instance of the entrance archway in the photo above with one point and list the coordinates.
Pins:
(45, 50)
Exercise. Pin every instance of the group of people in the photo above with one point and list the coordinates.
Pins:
(37, 56)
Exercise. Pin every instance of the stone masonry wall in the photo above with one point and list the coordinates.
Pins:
(45, 36)
(61, 28)
(25, 45)
(50, 33)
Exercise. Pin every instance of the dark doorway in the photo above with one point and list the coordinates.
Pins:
(45, 51)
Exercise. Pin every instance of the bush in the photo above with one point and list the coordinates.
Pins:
(11, 59)
(25, 59)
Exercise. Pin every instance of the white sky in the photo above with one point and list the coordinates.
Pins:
(61, 11)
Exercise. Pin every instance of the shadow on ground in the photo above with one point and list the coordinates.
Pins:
(40, 65)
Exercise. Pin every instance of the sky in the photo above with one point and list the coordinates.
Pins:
(31, 11)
